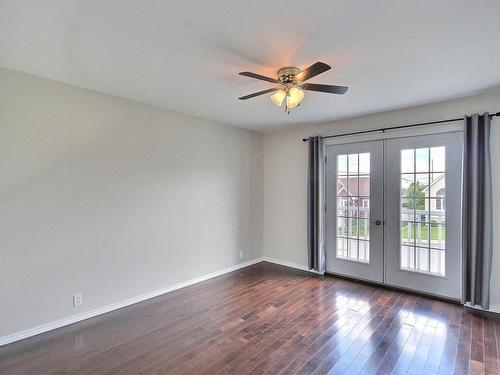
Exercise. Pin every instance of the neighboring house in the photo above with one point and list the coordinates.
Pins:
(436, 190)
(357, 193)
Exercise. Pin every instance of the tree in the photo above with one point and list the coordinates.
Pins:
(415, 196)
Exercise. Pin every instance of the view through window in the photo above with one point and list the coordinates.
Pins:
(353, 207)
(422, 205)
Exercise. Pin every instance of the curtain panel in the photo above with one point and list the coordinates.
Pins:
(316, 205)
(477, 215)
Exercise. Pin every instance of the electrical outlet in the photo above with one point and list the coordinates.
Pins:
(241, 254)
(77, 299)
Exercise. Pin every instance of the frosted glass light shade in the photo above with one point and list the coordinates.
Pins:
(278, 97)
(295, 96)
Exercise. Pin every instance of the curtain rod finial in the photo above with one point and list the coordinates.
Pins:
(304, 139)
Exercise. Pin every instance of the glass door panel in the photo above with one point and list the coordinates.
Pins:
(353, 215)
(354, 204)
(422, 232)
(422, 209)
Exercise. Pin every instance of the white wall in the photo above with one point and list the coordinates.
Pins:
(285, 171)
(113, 199)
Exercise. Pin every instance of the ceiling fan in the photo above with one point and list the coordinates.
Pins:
(292, 83)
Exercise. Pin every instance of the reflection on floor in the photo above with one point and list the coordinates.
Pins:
(272, 319)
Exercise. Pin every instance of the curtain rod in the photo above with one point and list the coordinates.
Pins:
(383, 130)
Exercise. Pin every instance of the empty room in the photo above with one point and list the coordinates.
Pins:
(249, 187)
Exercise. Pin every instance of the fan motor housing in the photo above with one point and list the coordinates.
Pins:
(287, 74)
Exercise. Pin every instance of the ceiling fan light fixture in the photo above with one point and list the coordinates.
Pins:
(292, 83)
(278, 97)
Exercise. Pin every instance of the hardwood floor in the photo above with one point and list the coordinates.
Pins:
(268, 319)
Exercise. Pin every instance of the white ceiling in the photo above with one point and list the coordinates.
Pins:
(185, 55)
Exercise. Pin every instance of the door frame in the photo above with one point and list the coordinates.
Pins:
(381, 136)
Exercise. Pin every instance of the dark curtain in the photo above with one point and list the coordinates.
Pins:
(477, 213)
(316, 206)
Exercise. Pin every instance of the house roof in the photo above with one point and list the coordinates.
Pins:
(362, 189)
(434, 182)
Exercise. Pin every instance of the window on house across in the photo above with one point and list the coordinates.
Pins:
(440, 199)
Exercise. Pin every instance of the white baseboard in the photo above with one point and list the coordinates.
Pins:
(289, 264)
(118, 305)
(493, 308)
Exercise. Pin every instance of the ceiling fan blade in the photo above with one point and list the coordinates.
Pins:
(325, 88)
(258, 76)
(312, 71)
(257, 94)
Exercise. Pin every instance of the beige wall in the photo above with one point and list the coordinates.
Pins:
(285, 171)
(114, 199)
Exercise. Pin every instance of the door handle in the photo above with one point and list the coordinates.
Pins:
(378, 222)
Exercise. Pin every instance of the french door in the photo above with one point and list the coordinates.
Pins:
(355, 197)
(393, 212)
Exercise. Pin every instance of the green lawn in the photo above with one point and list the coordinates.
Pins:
(404, 232)
(423, 231)
(342, 231)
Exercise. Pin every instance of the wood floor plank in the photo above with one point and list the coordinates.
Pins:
(229, 324)
(492, 365)
(462, 363)
(391, 331)
(316, 340)
(338, 348)
(262, 360)
(441, 317)
(268, 319)
(292, 353)
(372, 316)
(330, 316)
(396, 344)
(418, 320)
(245, 336)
